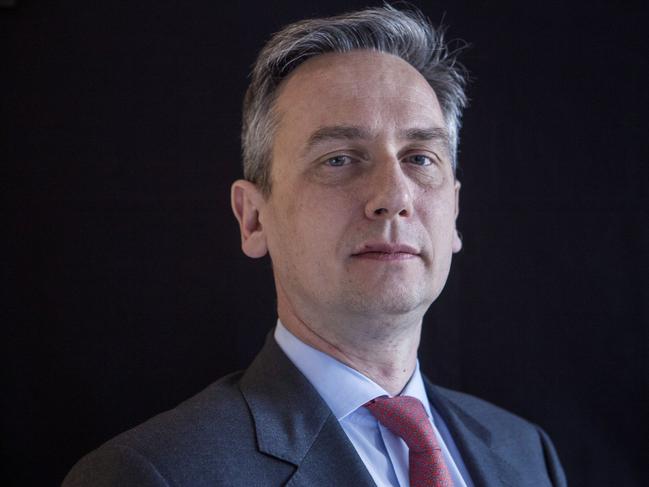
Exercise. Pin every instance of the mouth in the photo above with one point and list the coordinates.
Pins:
(386, 252)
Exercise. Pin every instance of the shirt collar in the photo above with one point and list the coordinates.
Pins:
(342, 388)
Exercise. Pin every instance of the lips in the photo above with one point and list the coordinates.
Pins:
(386, 251)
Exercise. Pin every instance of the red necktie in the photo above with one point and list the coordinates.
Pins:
(406, 417)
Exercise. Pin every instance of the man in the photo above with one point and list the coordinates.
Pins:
(349, 139)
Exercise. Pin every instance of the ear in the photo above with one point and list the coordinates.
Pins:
(247, 200)
(457, 240)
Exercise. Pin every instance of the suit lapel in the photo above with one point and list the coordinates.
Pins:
(294, 424)
(473, 440)
(332, 460)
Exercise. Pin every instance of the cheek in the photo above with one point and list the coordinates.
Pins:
(313, 220)
(438, 217)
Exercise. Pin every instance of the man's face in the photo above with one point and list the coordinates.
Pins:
(361, 215)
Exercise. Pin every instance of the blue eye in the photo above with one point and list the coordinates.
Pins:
(420, 160)
(338, 161)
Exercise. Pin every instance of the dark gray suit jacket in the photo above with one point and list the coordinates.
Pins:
(268, 426)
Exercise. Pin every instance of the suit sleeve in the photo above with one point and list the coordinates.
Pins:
(555, 470)
(113, 466)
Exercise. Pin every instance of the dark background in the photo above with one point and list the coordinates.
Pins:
(127, 291)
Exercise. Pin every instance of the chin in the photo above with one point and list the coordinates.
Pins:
(389, 303)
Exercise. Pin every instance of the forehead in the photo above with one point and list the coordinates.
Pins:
(363, 88)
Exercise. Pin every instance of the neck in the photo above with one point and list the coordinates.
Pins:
(384, 350)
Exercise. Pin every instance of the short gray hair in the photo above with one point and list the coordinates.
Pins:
(406, 34)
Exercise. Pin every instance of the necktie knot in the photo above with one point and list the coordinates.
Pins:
(406, 417)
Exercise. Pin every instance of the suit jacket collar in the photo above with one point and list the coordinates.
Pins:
(474, 441)
(294, 424)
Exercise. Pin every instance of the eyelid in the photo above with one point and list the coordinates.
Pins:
(412, 156)
(344, 153)
(348, 158)
(431, 156)
(352, 157)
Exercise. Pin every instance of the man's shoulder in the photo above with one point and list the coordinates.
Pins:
(181, 445)
(480, 408)
(518, 442)
(482, 416)
(217, 409)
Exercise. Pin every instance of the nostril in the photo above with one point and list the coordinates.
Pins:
(380, 211)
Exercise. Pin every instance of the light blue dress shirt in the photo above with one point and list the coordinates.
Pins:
(346, 390)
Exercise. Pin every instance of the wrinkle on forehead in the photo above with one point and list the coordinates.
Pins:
(357, 76)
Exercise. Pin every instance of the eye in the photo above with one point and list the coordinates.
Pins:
(419, 160)
(338, 161)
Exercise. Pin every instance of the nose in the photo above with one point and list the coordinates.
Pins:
(390, 192)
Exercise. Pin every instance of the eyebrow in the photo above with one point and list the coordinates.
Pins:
(426, 134)
(337, 132)
(353, 132)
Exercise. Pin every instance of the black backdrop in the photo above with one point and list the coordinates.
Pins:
(127, 289)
